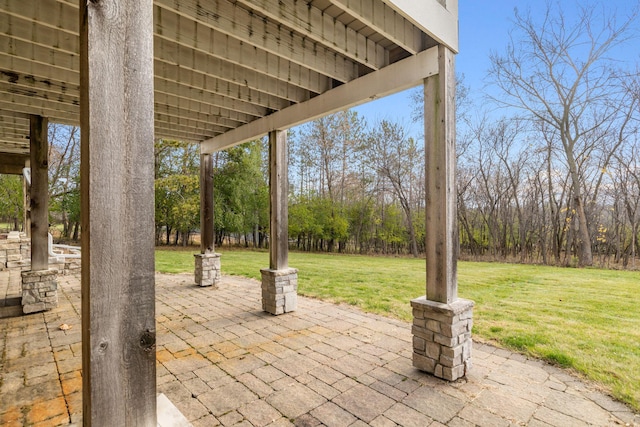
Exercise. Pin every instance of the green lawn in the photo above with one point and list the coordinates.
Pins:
(584, 319)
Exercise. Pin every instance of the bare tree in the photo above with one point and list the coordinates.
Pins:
(64, 172)
(395, 156)
(559, 72)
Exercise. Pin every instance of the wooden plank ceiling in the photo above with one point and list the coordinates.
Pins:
(219, 64)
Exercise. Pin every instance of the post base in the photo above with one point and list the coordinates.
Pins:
(207, 270)
(442, 337)
(279, 290)
(39, 290)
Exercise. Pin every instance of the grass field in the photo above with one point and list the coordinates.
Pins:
(584, 319)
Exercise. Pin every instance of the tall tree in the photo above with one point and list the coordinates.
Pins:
(11, 202)
(559, 71)
(64, 177)
(397, 158)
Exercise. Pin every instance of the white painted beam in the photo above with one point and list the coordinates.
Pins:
(432, 17)
(396, 77)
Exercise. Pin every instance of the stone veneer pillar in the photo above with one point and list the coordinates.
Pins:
(39, 290)
(207, 269)
(279, 290)
(442, 337)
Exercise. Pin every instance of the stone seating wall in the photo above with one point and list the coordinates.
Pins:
(15, 254)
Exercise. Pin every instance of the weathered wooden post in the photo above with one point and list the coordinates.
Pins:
(117, 196)
(39, 286)
(279, 282)
(441, 321)
(207, 262)
(39, 148)
(26, 188)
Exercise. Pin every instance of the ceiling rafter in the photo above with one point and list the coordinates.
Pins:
(188, 92)
(67, 85)
(227, 18)
(228, 119)
(182, 58)
(229, 49)
(41, 31)
(306, 19)
(385, 21)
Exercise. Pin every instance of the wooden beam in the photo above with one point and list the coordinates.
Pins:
(39, 193)
(402, 75)
(117, 171)
(206, 204)
(26, 200)
(13, 150)
(12, 164)
(58, 112)
(278, 201)
(440, 149)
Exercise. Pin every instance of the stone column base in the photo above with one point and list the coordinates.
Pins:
(442, 337)
(279, 290)
(39, 290)
(207, 271)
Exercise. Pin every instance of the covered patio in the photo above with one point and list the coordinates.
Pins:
(217, 73)
(223, 361)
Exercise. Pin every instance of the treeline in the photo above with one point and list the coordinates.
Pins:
(241, 194)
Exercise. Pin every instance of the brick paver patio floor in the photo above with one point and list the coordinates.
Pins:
(222, 361)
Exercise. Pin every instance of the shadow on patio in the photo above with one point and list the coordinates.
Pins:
(222, 361)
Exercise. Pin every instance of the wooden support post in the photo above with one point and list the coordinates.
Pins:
(207, 263)
(440, 151)
(26, 189)
(206, 204)
(442, 322)
(279, 282)
(117, 193)
(39, 193)
(278, 207)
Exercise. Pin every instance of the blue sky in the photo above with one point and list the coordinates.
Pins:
(484, 28)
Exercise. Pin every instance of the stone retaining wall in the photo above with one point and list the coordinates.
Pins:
(14, 249)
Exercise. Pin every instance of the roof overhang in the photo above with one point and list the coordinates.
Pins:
(228, 70)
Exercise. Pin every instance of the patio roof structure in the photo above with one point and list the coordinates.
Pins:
(219, 73)
(220, 65)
